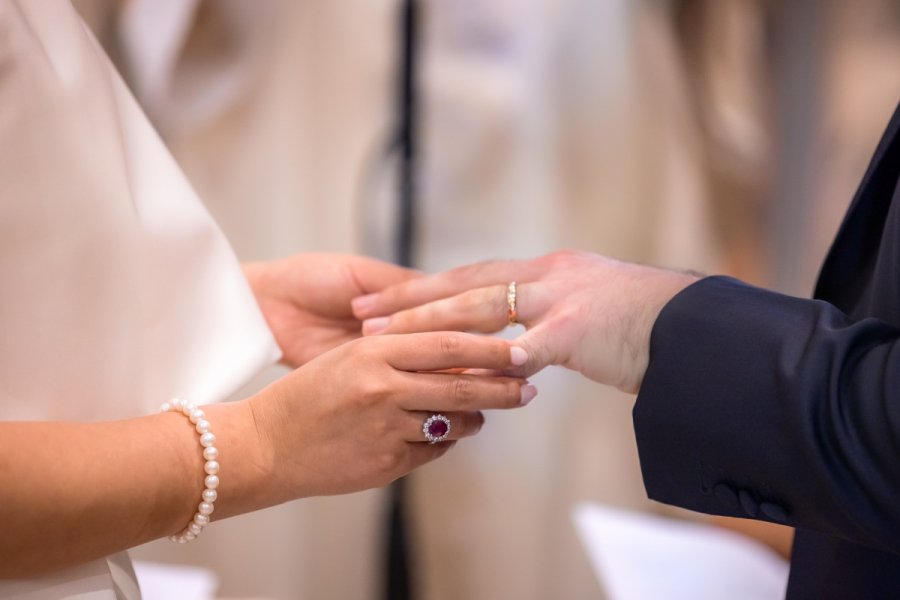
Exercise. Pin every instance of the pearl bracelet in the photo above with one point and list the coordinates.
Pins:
(211, 467)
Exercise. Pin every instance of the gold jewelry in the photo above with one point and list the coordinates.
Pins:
(512, 313)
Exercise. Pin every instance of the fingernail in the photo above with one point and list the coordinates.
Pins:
(363, 304)
(375, 326)
(517, 356)
(528, 393)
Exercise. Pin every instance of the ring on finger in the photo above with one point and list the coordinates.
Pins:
(436, 428)
(512, 312)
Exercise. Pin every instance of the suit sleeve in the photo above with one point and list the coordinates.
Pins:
(765, 406)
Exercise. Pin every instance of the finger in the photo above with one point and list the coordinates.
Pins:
(462, 424)
(459, 370)
(539, 344)
(482, 310)
(443, 285)
(441, 392)
(373, 275)
(420, 454)
(436, 351)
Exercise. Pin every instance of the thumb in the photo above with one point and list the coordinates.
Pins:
(538, 345)
(374, 275)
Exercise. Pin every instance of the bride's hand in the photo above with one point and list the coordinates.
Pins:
(352, 418)
(306, 298)
(583, 311)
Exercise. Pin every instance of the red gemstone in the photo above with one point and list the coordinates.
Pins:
(437, 428)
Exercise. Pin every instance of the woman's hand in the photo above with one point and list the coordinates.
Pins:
(583, 311)
(306, 299)
(352, 418)
(349, 420)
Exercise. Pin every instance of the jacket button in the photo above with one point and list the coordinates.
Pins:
(724, 493)
(776, 512)
(748, 503)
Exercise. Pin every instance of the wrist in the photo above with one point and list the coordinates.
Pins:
(246, 460)
(667, 285)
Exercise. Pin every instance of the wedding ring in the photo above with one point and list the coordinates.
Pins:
(512, 313)
(436, 428)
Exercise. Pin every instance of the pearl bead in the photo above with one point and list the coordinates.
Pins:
(210, 454)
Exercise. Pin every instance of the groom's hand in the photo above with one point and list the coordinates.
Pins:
(583, 311)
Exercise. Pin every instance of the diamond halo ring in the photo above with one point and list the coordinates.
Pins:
(436, 428)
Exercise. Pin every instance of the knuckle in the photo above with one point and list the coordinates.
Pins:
(463, 391)
(431, 312)
(389, 462)
(380, 428)
(459, 275)
(564, 258)
(372, 390)
(451, 345)
(472, 300)
(573, 316)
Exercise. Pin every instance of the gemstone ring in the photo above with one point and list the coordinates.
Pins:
(436, 428)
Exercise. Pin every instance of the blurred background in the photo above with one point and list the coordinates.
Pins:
(726, 136)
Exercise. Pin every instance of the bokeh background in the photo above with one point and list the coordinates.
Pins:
(726, 136)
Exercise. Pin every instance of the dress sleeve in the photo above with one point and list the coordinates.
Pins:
(761, 405)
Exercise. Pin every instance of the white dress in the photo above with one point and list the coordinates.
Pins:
(117, 290)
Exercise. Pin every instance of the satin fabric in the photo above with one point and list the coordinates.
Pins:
(117, 290)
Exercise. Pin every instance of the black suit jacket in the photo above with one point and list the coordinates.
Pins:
(765, 406)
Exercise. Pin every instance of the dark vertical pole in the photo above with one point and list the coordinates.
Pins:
(407, 131)
(398, 580)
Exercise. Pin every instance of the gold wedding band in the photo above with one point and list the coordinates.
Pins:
(512, 313)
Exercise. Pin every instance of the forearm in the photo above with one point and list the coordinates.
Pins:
(755, 402)
(97, 488)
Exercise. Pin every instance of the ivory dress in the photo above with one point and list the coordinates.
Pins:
(117, 290)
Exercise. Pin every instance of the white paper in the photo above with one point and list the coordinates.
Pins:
(637, 556)
(164, 582)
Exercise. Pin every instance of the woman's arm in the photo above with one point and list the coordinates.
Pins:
(71, 492)
(349, 420)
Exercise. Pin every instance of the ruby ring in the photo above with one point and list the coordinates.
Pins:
(436, 428)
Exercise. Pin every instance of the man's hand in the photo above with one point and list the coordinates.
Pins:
(306, 299)
(585, 312)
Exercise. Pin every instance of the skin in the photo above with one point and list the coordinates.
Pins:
(92, 489)
(582, 311)
(306, 298)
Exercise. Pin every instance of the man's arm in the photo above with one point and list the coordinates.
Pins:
(760, 405)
